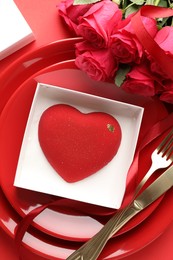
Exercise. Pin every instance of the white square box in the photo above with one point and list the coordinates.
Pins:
(107, 186)
(15, 33)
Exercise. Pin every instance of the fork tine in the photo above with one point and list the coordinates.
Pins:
(168, 147)
(164, 151)
(171, 157)
(167, 141)
(169, 152)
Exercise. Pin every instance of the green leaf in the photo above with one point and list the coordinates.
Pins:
(163, 3)
(138, 2)
(121, 74)
(118, 2)
(131, 9)
(124, 3)
(150, 2)
(84, 2)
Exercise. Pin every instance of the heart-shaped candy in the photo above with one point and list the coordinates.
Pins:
(76, 144)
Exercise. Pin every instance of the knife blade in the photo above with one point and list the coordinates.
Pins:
(92, 249)
(156, 189)
(148, 196)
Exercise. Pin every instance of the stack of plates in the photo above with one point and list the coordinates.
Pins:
(60, 230)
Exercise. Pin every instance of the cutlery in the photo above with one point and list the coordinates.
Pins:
(92, 249)
(161, 158)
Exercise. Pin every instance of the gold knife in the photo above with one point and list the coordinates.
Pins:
(92, 249)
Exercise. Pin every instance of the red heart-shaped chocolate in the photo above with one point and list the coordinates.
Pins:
(77, 144)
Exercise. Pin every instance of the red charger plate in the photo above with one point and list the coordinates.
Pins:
(117, 248)
(13, 121)
(50, 65)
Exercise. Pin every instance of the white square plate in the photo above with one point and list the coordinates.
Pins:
(104, 188)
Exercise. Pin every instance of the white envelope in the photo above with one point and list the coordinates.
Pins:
(15, 33)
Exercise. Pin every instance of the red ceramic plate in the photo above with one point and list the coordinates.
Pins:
(116, 248)
(50, 64)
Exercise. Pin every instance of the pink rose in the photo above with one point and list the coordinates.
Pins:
(164, 38)
(71, 13)
(124, 43)
(167, 94)
(83, 46)
(97, 24)
(140, 81)
(98, 64)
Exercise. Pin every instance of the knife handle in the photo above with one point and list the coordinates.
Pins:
(93, 248)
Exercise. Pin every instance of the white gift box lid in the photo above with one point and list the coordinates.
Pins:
(15, 33)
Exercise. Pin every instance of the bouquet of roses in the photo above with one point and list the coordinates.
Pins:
(129, 42)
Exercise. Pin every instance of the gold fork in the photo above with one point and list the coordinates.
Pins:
(161, 157)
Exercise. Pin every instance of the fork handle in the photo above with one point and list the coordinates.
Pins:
(93, 248)
(153, 168)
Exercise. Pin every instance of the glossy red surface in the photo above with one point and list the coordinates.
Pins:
(43, 14)
(13, 120)
(118, 247)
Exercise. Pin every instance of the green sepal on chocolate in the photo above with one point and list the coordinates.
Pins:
(76, 144)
